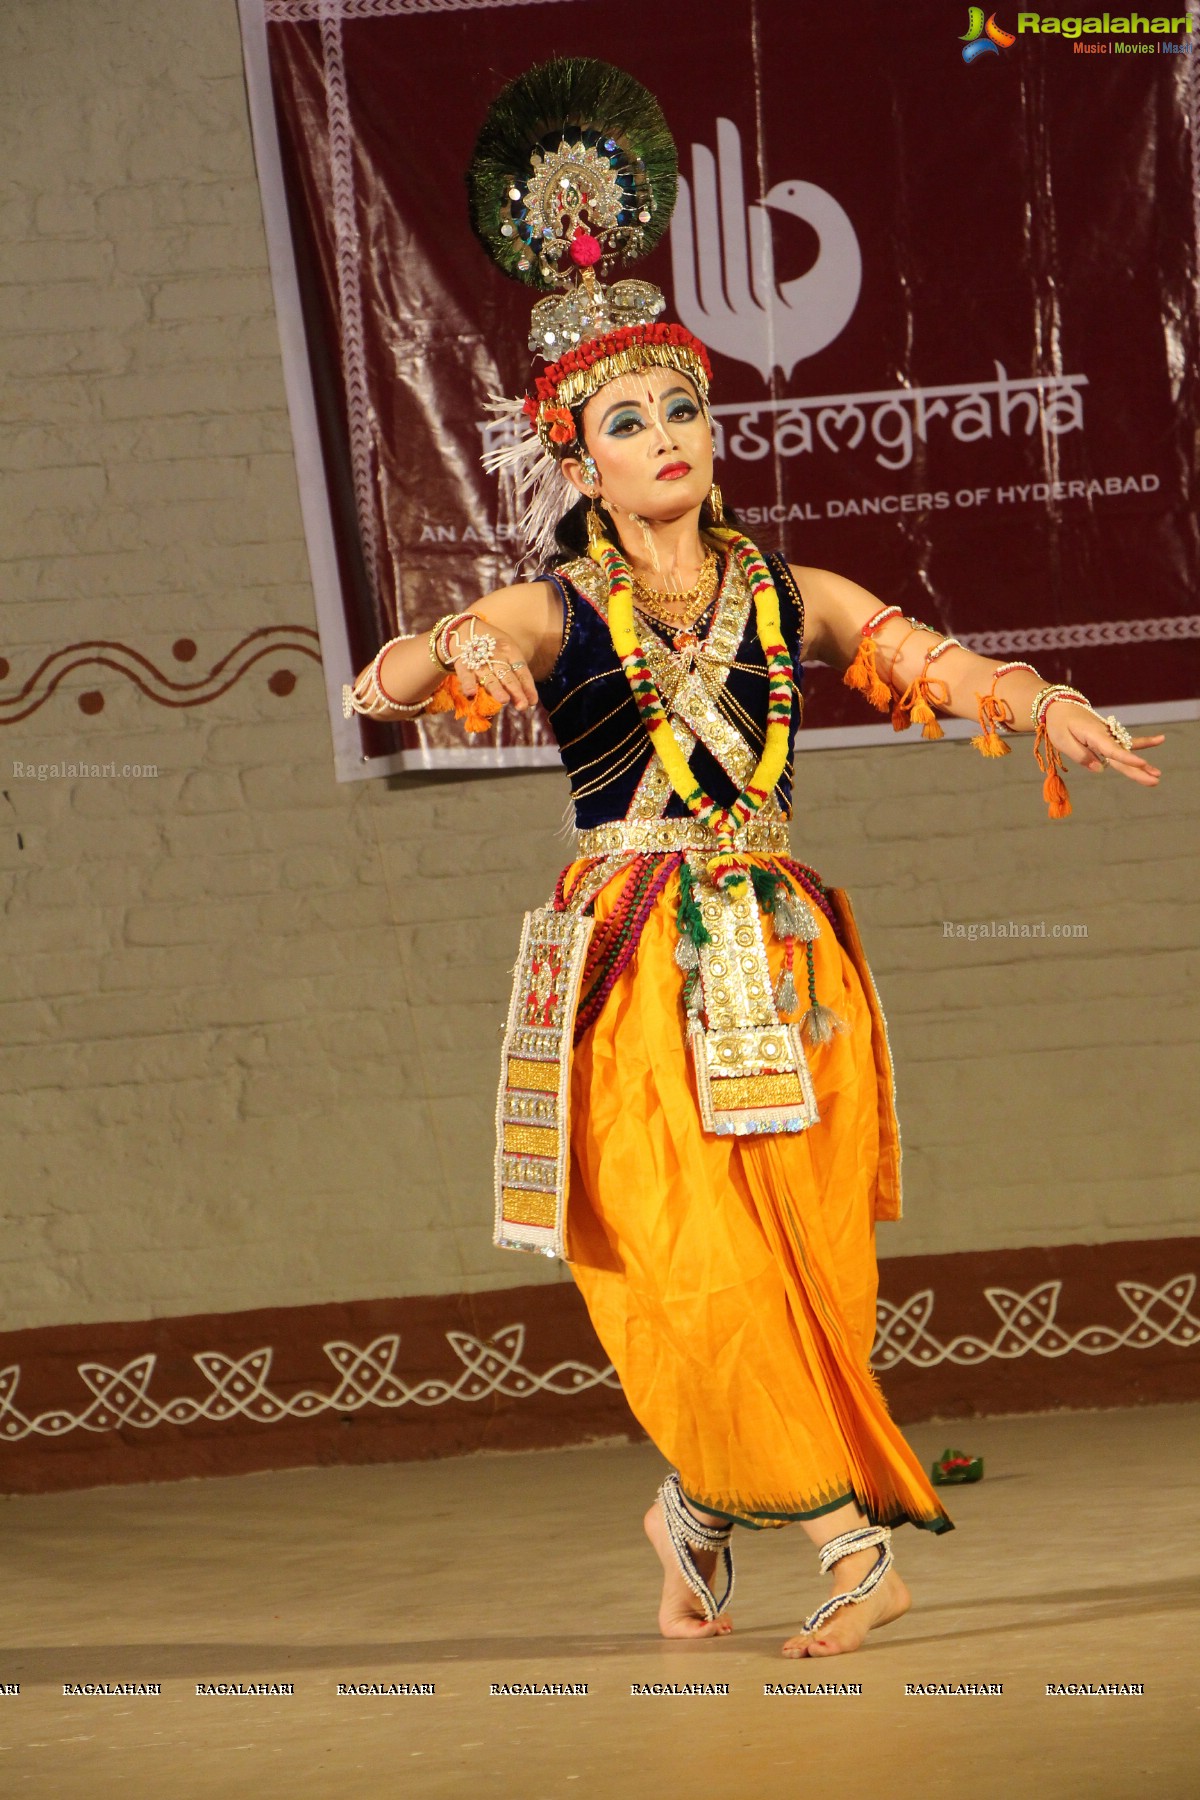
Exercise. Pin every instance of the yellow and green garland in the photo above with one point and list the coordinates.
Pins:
(727, 869)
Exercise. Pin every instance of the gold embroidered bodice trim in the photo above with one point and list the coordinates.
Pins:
(692, 685)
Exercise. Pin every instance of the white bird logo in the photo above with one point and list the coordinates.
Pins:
(724, 265)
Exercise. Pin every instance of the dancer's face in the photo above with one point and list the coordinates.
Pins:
(651, 444)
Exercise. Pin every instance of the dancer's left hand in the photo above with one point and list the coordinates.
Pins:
(1083, 737)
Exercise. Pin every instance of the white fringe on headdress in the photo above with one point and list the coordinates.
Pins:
(539, 485)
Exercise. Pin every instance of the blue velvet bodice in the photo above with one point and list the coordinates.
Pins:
(604, 746)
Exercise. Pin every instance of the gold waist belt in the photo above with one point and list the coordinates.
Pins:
(764, 836)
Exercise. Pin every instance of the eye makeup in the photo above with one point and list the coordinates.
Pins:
(630, 415)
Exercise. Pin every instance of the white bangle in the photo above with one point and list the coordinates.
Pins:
(373, 677)
(377, 698)
(1046, 696)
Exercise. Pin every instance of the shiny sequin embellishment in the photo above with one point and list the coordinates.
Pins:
(532, 1107)
(752, 1073)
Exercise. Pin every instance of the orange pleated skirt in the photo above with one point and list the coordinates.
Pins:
(732, 1280)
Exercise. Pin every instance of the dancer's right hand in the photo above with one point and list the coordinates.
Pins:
(506, 678)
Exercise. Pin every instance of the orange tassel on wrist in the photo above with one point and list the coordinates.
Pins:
(1054, 788)
(993, 712)
(475, 711)
(863, 673)
(916, 703)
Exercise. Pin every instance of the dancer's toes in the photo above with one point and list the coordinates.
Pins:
(681, 1613)
(687, 1625)
(847, 1628)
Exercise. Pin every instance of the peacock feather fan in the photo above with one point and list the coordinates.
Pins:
(574, 170)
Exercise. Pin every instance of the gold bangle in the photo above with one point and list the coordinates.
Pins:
(434, 635)
(1056, 690)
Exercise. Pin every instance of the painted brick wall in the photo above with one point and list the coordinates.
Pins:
(248, 1018)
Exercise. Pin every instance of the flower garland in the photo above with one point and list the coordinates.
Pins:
(726, 869)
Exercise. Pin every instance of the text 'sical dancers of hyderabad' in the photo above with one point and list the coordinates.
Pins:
(696, 1104)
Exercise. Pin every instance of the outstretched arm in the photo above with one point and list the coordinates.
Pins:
(836, 610)
(525, 622)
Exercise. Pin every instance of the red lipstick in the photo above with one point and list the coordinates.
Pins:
(673, 471)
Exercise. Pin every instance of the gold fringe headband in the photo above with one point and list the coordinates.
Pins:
(582, 372)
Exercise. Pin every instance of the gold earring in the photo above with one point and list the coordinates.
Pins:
(716, 505)
(595, 529)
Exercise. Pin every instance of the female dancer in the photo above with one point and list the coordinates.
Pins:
(710, 1169)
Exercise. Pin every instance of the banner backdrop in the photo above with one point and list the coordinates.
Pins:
(948, 282)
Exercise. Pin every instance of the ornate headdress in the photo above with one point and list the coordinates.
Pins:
(573, 172)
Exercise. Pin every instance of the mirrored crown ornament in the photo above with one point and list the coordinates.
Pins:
(574, 171)
(589, 311)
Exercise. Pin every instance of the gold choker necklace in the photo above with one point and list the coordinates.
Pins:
(679, 607)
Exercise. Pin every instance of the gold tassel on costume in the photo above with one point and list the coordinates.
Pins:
(786, 998)
(820, 1023)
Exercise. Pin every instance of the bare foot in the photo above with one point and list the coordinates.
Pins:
(849, 1625)
(680, 1614)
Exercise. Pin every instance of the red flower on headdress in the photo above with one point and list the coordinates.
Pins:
(562, 425)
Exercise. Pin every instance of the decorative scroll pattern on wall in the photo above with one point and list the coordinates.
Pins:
(1028, 1326)
(240, 1386)
(269, 641)
(298, 12)
(1091, 634)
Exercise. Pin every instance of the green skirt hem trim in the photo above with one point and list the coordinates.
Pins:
(765, 1521)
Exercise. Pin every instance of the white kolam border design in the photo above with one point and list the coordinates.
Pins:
(241, 1385)
(1028, 1326)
